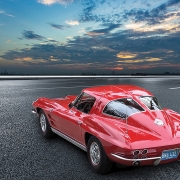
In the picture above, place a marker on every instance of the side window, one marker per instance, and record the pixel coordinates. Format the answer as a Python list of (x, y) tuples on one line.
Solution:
[(122, 108), (85, 103)]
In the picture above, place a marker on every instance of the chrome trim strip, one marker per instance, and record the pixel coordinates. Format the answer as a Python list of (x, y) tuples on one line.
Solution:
[(126, 159), (69, 139)]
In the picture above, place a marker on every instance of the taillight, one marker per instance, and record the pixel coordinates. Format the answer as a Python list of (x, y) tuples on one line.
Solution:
[(144, 151), (136, 152)]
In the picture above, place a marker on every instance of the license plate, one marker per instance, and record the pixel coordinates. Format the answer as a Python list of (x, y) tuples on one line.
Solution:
[(170, 154)]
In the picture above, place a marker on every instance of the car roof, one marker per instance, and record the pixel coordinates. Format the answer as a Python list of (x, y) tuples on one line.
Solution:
[(111, 92)]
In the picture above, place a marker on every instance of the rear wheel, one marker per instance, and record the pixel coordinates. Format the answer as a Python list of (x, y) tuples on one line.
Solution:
[(98, 159), (45, 126)]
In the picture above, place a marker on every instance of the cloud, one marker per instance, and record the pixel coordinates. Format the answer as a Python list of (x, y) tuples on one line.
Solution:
[(57, 26), (118, 68), (134, 25), (104, 30), (110, 27), (131, 61), (126, 55), (154, 16), (69, 37), (102, 48), (102, 1), (164, 6), (4, 13), (164, 26), (98, 11), (140, 60), (114, 51), (50, 2), (72, 23), (153, 59), (10, 41), (95, 33), (23, 59), (31, 35), (87, 12)]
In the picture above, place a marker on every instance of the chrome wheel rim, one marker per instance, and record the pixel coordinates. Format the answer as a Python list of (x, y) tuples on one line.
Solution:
[(43, 122), (95, 153)]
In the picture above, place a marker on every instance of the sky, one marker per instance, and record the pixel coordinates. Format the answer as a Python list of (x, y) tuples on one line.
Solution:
[(56, 37)]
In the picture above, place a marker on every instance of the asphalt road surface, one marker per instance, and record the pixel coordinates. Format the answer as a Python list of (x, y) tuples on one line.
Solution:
[(25, 154)]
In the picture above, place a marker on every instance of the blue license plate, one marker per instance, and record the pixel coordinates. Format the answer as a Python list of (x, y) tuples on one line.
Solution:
[(170, 154)]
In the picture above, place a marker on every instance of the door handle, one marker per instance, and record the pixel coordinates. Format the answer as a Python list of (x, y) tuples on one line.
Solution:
[(51, 110)]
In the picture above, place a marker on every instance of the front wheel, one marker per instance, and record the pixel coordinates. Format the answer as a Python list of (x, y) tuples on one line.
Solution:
[(98, 159), (44, 124)]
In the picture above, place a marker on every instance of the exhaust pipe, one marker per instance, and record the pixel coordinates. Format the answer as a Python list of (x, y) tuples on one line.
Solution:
[(157, 162), (136, 163)]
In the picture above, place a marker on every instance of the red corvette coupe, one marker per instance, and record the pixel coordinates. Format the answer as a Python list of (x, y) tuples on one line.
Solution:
[(115, 123)]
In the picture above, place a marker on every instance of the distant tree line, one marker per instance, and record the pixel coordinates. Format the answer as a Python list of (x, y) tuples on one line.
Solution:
[(132, 74), (89, 73), (6, 73)]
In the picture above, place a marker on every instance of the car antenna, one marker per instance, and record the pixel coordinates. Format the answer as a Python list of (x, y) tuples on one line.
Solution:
[(126, 121), (127, 118)]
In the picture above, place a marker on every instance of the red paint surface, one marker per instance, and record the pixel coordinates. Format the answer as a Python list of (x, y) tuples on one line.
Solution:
[(140, 132)]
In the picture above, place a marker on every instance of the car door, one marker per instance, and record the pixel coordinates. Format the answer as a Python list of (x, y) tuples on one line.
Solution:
[(74, 124), (77, 114), (68, 122)]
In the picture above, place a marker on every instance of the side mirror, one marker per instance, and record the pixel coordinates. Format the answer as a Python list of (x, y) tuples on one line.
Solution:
[(70, 105)]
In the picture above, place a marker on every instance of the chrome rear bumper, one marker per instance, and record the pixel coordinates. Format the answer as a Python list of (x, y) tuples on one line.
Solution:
[(156, 162)]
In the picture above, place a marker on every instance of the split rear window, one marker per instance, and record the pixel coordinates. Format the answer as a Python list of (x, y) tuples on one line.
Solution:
[(150, 102), (122, 108)]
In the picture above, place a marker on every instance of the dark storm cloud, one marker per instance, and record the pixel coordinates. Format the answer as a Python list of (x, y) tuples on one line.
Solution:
[(31, 35), (57, 26)]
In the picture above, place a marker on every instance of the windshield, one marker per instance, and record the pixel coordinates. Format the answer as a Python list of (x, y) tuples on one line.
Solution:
[(151, 102)]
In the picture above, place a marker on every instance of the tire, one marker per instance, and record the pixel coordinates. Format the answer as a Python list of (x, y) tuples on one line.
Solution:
[(45, 126), (98, 159)]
